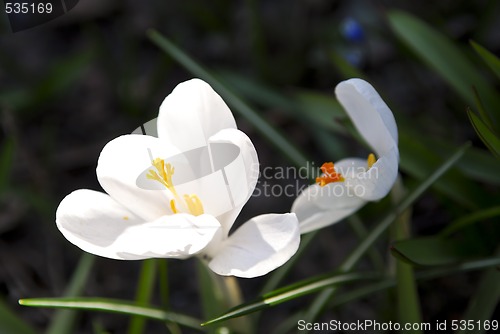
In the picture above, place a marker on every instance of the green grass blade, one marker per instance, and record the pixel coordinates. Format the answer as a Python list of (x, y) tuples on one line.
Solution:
[(482, 305), (489, 58), (489, 138), (346, 70), (290, 292), (57, 79), (261, 125), (436, 251), (439, 52), (370, 289), (407, 294), (113, 306), (63, 320), (11, 323), (474, 217), (279, 274), (349, 263), (419, 161), (145, 289)]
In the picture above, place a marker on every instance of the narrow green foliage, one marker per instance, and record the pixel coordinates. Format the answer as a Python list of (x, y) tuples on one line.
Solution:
[(489, 58), (475, 217), (64, 320), (114, 306), (435, 251), (483, 303), (344, 67), (407, 294), (290, 292), (143, 295), (442, 55), (429, 274), (489, 138), (275, 137), (11, 323)]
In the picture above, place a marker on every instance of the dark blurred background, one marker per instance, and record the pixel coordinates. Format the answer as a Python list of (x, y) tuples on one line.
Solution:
[(69, 86)]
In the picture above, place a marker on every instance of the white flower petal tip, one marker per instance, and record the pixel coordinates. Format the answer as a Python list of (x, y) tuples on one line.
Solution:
[(259, 246), (191, 114), (369, 113), (97, 224)]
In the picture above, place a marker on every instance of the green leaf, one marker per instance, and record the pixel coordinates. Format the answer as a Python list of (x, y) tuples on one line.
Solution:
[(10, 323), (261, 125), (220, 293), (439, 52), (113, 306), (407, 294), (428, 274), (487, 136), (477, 163), (436, 251), (57, 79), (290, 292), (320, 109), (489, 58), (145, 288), (63, 320), (344, 67), (472, 218), (279, 274), (484, 301), (356, 255), (418, 161)]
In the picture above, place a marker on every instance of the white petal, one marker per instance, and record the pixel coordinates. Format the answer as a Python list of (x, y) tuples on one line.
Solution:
[(227, 172), (376, 183), (121, 171), (369, 113), (175, 236), (317, 207), (241, 173), (93, 221), (191, 114), (97, 224), (259, 246)]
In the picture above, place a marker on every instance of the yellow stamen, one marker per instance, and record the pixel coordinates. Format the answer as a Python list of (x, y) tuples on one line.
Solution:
[(172, 206), (125, 217), (194, 204), (163, 174), (329, 175), (371, 160)]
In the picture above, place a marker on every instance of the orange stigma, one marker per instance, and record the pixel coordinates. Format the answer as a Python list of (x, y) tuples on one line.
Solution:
[(329, 175)]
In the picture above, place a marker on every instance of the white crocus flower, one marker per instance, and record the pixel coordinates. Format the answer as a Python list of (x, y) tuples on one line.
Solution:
[(178, 195), (348, 184)]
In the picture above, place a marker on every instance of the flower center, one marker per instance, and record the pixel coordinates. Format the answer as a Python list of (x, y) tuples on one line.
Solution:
[(163, 174), (329, 175)]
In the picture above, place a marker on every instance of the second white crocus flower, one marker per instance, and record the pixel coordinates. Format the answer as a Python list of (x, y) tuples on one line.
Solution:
[(178, 194), (348, 184)]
